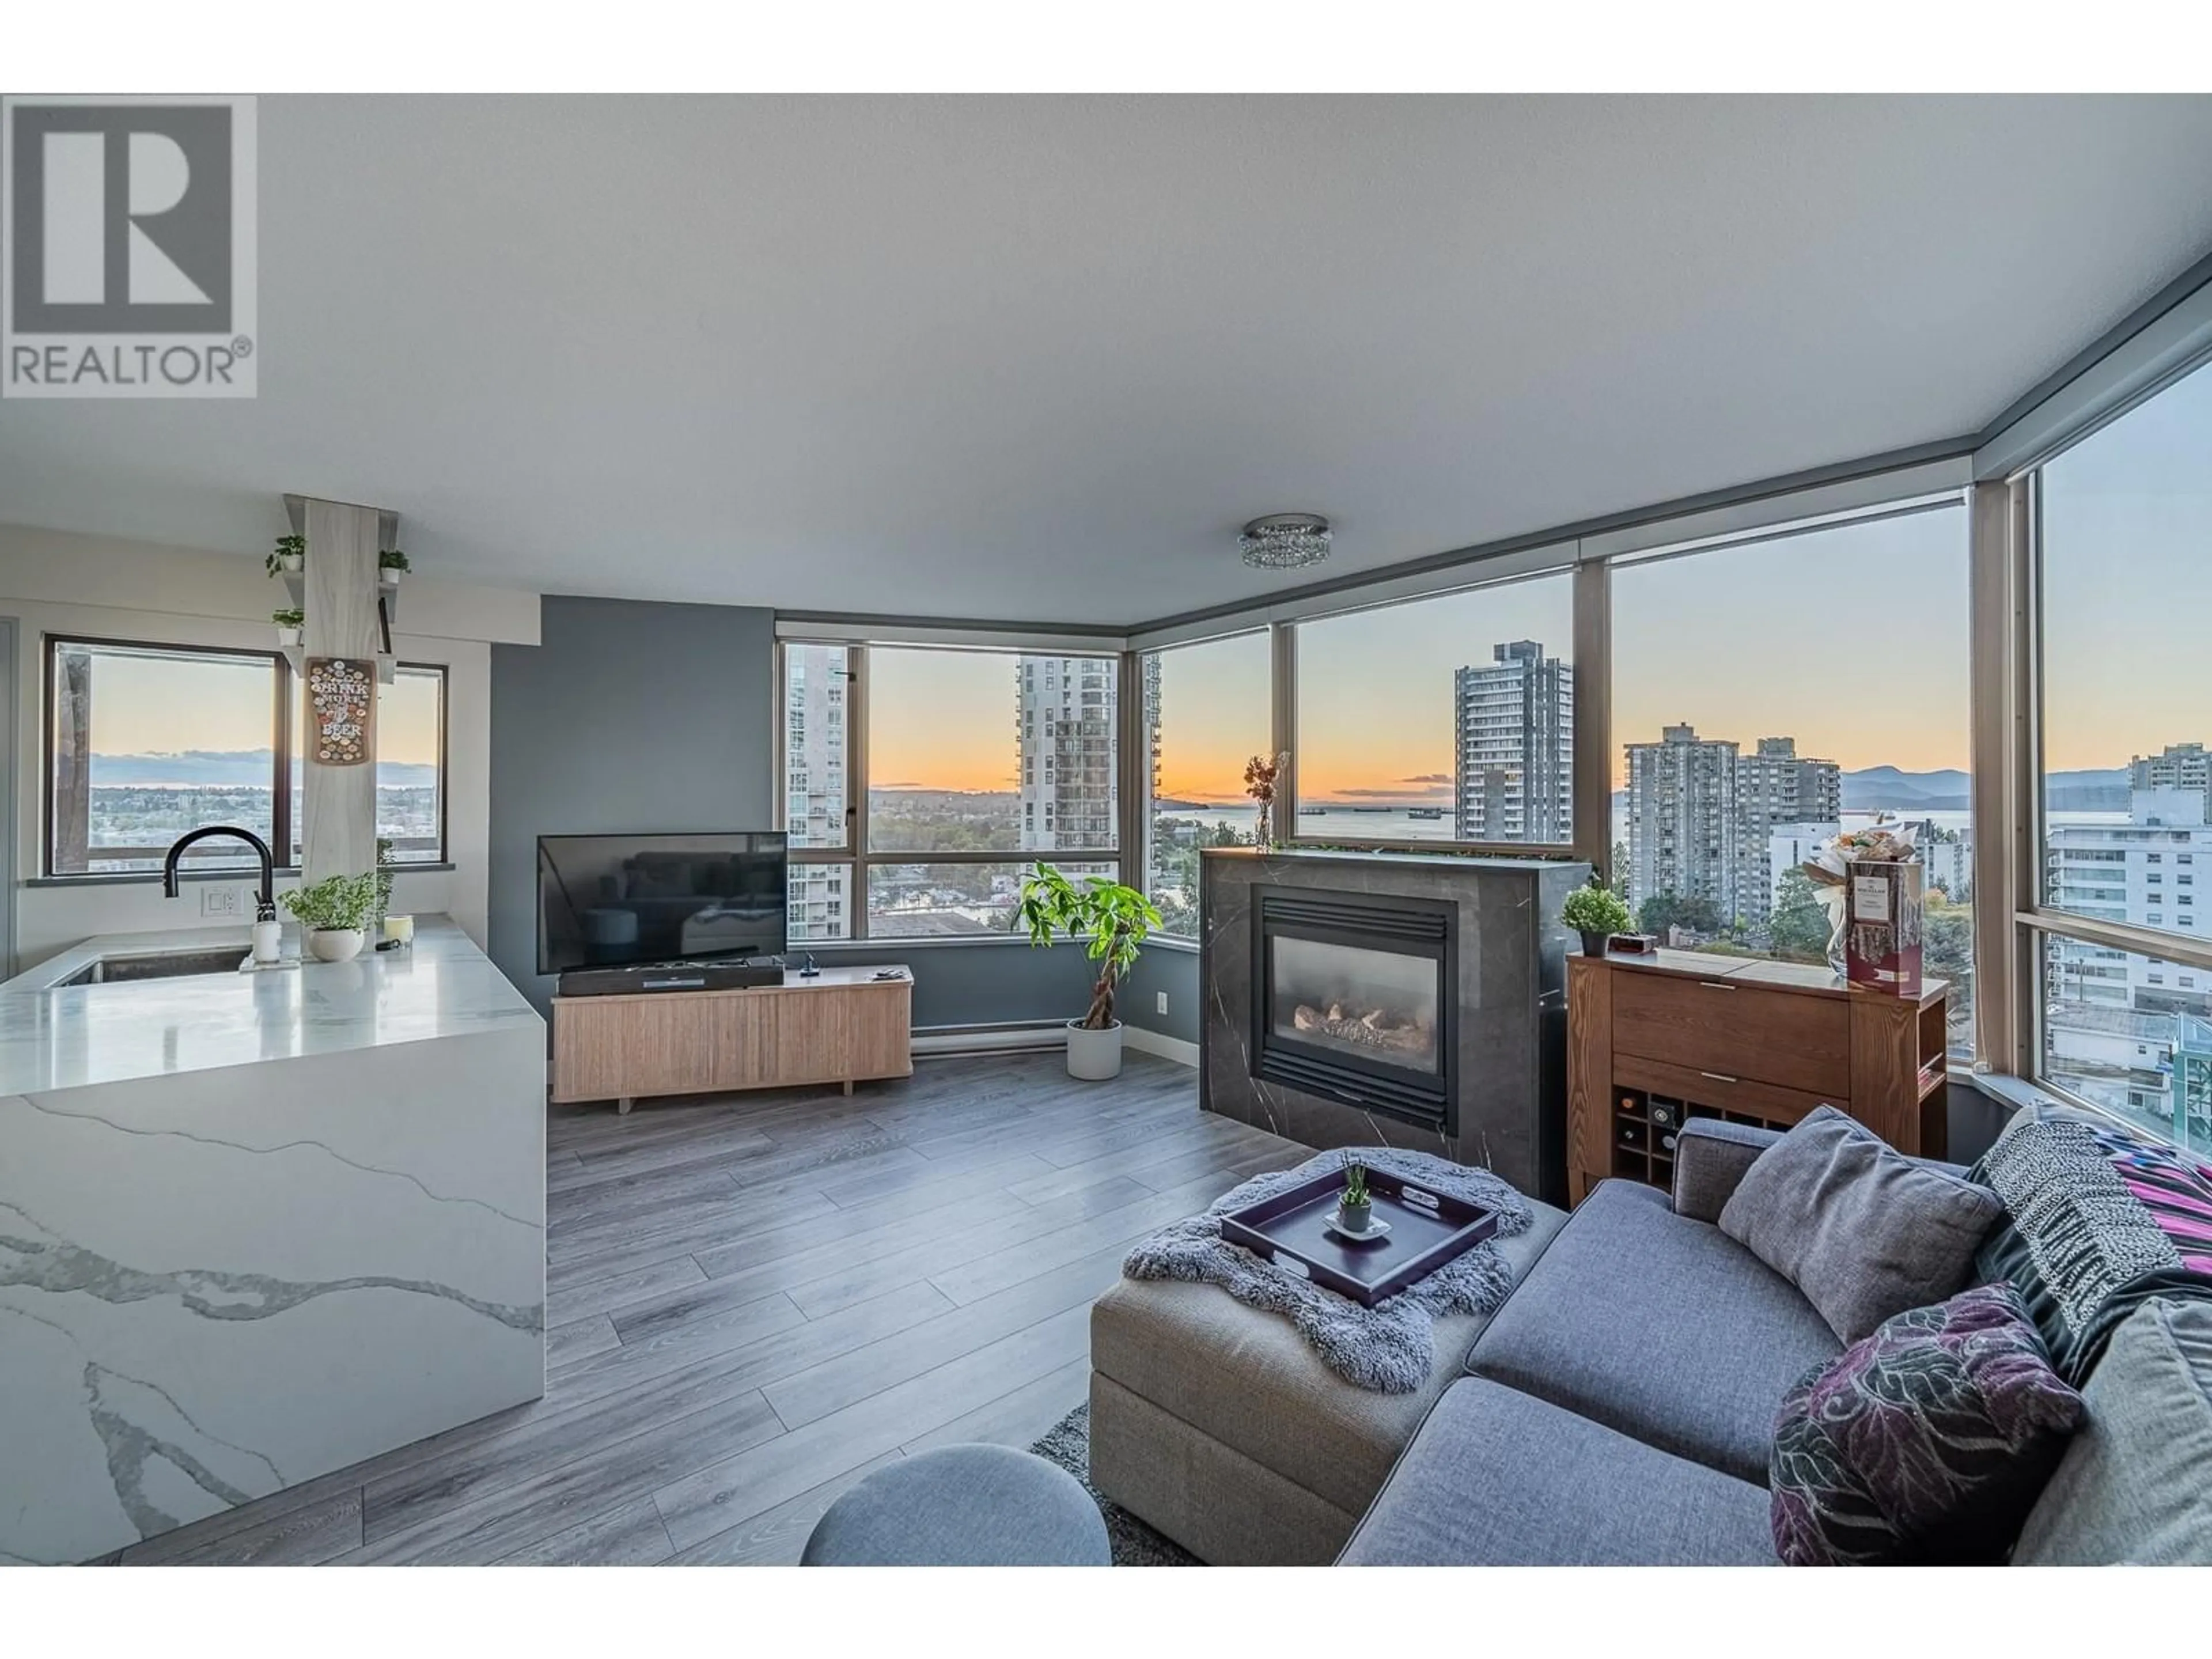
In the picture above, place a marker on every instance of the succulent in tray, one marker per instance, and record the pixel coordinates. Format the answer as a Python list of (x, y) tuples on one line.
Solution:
[(1355, 1208)]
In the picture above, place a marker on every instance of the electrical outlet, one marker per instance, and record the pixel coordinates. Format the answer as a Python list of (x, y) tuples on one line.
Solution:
[(223, 901), (1160, 1003)]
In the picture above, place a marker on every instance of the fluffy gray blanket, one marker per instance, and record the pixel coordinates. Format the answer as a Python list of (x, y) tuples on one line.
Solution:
[(1389, 1347)]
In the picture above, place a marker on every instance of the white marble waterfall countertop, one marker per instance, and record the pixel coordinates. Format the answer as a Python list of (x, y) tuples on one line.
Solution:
[(56, 1037)]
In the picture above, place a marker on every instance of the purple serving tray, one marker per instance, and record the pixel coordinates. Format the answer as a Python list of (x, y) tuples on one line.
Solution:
[(1427, 1228)]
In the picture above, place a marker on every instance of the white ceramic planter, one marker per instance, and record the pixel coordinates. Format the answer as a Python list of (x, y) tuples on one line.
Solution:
[(287, 638), (291, 563), (388, 576), (334, 944), (1094, 1056)]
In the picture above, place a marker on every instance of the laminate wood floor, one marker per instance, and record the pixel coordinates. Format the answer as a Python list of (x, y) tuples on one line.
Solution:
[(755, 1300)]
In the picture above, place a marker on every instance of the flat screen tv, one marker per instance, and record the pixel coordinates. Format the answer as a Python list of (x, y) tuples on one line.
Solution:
[(619, 900)]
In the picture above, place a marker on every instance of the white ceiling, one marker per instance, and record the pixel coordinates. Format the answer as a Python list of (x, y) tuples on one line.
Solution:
[(1039, 358)]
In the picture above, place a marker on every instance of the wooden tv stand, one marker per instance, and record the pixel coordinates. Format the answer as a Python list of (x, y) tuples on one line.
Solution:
[(839, 1025)]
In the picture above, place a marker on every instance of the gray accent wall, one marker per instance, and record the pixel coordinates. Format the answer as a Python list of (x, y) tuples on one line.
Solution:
[(628, 716), (1173, 970), (635, 716)]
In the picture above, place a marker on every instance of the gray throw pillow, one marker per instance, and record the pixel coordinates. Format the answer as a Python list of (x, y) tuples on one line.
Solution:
[(1861, 1228)]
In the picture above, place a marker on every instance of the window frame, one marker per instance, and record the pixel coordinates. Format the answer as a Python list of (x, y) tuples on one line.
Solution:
[(1139, 834), (2010, 642), (857, 856), (283, 686), (1590, 622)]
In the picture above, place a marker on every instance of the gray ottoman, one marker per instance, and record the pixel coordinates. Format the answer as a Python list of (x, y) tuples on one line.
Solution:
[(962, 1506)]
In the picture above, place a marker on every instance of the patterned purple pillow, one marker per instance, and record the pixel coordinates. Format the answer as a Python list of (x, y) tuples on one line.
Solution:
[(1926, 1442)]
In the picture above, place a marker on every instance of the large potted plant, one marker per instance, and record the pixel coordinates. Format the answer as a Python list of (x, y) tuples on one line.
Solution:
[(1595, 912), (1112, 921), (333, 914)]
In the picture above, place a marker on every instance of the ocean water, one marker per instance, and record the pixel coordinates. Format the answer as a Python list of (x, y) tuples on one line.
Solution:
[(1327, 822)]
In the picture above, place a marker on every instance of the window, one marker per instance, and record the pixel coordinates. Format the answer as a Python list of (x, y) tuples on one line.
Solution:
[(2119, 521), (977, 762), (146, 742), (411, 769), (1448, 719), (2113, 1033), (1743, 748), (1207, 710), (2123, 518)]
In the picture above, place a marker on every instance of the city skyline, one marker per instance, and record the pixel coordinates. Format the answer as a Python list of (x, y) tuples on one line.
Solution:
[(153, 704)]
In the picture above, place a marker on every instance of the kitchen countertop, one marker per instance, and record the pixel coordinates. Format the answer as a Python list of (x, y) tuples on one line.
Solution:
[(66, 1038)]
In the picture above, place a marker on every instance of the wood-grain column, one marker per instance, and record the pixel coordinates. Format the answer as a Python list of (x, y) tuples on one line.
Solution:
[(338, 835)]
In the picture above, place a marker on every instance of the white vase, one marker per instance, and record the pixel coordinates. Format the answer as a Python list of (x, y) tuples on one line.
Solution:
[(1094, 1056), (334, 944)]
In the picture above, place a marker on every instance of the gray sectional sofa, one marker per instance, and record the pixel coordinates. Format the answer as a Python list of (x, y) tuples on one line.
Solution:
[(1616, 1408)]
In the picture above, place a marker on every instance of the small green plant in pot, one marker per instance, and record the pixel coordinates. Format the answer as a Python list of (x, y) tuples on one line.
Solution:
[(291, 554), (289, 622), (1355, 1208), (1114, 922), (392, 564), (1595, 912), (334, 913)]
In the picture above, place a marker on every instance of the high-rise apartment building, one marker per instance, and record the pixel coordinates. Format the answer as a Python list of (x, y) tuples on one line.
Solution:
[(1684, 836), (1514, 763), (2124, 1026), (1065, 712), (1775, 786), (2179, 766), (814, 788)]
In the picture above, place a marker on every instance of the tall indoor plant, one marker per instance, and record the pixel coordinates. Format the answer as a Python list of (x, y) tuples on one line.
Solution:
[(1112, 921)]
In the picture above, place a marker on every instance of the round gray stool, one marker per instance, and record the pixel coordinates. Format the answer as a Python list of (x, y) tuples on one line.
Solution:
[(962, 1506)]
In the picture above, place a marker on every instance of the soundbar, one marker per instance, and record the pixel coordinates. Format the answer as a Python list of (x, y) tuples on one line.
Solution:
[(666, 976)]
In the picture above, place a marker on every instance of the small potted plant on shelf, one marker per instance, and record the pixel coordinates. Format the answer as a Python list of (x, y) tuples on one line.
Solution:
[(1114, 921), (1355, 1208), (290, 556), (333, 914), (1595, 912), (391, 565), (289, 622)]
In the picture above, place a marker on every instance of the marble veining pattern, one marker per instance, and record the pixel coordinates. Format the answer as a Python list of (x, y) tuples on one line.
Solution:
[(218, 1281)]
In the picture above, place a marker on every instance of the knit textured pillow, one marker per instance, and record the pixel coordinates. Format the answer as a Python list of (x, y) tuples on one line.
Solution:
[(1926, 1442)]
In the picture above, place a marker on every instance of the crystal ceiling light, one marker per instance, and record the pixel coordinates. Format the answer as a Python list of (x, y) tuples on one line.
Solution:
[(1285, 541)]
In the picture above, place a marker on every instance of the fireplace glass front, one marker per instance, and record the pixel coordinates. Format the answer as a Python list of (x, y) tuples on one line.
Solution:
[(1353, 999), (1371, 1005)]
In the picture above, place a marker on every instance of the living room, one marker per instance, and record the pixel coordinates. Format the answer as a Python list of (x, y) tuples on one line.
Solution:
[(1122, 829)]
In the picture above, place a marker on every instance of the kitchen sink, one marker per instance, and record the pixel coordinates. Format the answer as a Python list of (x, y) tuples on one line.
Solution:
[(163, 964)]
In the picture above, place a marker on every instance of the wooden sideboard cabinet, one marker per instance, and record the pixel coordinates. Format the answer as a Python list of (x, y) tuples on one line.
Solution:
[(841, 1025), (1653, 1039)]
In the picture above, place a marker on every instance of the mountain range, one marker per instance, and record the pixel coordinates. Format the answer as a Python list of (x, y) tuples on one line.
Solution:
[(2103, 790), (246, 769)]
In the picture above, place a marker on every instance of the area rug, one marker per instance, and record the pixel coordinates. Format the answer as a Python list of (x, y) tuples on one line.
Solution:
[(1134, 1544), (1389, 1347)]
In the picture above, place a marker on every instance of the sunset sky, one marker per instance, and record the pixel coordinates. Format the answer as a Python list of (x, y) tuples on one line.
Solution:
[(157, 705)]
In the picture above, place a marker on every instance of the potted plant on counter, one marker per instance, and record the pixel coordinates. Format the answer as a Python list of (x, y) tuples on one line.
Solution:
[(289, 624), (1114, 921), (288, 556), (1595, 912), (333, 914)]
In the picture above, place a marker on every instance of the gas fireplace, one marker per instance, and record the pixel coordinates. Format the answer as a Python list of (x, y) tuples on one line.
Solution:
[(1353, 999)]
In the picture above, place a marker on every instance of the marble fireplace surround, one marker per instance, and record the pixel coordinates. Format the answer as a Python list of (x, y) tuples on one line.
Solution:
[(1511, 1058)]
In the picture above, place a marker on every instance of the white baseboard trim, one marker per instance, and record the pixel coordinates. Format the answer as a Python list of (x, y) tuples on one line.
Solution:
[(1159, 1043)]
